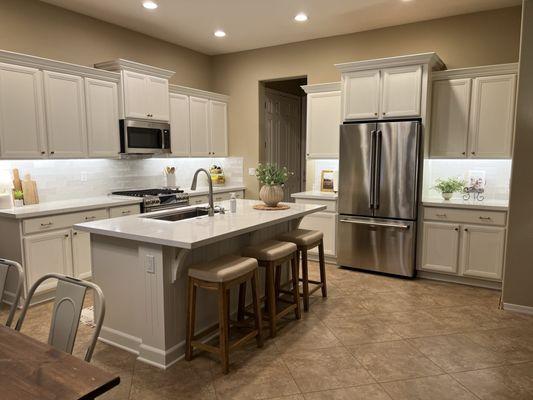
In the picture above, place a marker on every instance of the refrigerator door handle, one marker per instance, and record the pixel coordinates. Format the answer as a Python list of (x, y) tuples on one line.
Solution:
[(377, 168), (383, 224), (372, 166)]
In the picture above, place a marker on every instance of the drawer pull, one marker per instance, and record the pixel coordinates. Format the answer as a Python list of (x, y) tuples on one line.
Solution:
[(485, 218), (46, 224), (441, 215), (90, 218), (126, 212)]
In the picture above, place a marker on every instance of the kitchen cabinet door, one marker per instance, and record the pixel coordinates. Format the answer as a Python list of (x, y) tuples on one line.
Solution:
[(180, 128), (360, 95), (65, 115), (482, 250), (101, 99), (450, 117), (219, 128), (401, 91), (81, 254), (45, 253), (440, 247), (327, 224), (22, 124), (135, 101), (492, 116), (323, 120), (200, 132), (157, 95)]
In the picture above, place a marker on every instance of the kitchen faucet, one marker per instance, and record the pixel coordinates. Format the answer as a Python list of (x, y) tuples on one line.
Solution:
[(211, 208)]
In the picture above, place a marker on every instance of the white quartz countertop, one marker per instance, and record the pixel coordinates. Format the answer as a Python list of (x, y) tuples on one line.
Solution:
[(200, 231), (495, 205), (315, 194), (64, 206), (202, 191)]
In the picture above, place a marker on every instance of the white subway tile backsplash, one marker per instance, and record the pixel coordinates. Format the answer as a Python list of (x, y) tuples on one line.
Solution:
[(72, 179)]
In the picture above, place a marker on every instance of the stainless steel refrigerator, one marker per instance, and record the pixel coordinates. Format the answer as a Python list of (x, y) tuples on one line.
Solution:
[(378, 196)]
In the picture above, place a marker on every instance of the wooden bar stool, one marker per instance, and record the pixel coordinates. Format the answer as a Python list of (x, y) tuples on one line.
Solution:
[(307, 239), (222, 274), (271, 255)]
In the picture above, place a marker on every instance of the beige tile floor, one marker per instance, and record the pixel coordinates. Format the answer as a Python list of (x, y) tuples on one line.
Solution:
[(375, 337)]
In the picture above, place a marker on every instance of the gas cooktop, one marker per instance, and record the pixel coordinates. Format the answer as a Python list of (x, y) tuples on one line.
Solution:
[(158, 199)]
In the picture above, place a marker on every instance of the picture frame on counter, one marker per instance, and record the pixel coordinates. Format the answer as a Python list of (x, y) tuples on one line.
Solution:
[(327, 180)]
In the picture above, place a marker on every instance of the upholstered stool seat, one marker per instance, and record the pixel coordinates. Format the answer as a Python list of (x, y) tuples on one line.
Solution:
[(271, 255), (307, 239), (221, 275)]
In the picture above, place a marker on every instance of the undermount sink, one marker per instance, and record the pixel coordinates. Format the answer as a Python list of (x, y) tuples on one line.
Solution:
[(181, 214)]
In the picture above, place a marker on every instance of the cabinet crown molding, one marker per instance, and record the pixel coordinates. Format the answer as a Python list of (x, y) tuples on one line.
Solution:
[(47, 64), (474, 72), (120, 64), (432, 59), (322, 87), (177, 89)]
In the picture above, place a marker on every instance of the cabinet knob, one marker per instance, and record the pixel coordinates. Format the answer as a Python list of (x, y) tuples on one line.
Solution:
[(473, 152), (384, 113), (43, 152), (466, 229), (66, 235), (456, 229), (75, 233), (464, 153), (52, 152), (376, 114)]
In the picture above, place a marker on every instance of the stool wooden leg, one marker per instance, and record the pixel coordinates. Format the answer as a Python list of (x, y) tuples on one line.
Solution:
[(278, 280), (191, 314), (295, 285), (322, 264), (242, 301), (305, 280), (257, 308), (271, 298), (223, 327)]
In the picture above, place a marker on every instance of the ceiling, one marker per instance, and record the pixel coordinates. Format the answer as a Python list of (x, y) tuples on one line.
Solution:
[(251, 24)]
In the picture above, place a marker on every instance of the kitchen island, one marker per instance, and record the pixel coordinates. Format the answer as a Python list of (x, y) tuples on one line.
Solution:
[(140, 262)]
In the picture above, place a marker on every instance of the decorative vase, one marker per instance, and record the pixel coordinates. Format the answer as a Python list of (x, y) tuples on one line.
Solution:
[(447, 196), (271, 195)]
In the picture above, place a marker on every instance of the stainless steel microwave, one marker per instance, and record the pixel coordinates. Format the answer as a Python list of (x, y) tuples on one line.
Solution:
[(144, 137)]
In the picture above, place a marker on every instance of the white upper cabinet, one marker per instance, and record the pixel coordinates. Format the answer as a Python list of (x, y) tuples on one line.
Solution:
[(180, 128), (482, 250), (157, 95), (492, 120), (22, 123), (401, 91), (200, 130), (218, 111), (65, 115), (450, 117), (473, 112), (135, 102), (145, 96), (101, 99), (361, 90), (323, 121)]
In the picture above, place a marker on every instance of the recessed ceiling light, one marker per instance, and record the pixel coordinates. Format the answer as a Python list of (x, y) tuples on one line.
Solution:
[(301, 17), (150, 5), (219, 33)]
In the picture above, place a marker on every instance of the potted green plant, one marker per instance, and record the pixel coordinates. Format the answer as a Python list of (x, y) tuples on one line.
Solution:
[(18, 198), (272, 178), (447, 187)]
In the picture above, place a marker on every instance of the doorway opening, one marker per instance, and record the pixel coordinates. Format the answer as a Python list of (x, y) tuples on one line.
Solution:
[(282, 119)]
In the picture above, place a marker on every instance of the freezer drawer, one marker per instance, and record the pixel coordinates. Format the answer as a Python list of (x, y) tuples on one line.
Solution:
[(377, 244)]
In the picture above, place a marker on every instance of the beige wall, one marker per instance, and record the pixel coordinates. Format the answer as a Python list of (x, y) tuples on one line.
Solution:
[(518, 280), (467, 40), (32, 27)]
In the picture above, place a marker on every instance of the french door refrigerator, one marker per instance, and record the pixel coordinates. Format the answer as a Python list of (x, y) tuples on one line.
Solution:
[(378, 196)]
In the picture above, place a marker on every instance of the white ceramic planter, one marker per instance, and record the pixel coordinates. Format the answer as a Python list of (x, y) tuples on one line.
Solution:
[(271, 195), (447, 196)]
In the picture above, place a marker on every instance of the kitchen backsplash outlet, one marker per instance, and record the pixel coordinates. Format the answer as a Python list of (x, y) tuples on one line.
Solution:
[(73, 179), (497, 175)]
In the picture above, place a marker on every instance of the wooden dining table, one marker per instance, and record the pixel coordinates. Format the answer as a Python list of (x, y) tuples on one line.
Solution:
[(30, 369)]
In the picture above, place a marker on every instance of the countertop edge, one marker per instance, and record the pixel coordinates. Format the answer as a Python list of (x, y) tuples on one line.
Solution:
[(311, 194)]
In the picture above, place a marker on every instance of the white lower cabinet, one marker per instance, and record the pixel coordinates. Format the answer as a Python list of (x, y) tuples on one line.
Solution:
[(441, 246), (203, 199), (326, 223), (461, 248), (482, 250), (45, 253), (81, 254)]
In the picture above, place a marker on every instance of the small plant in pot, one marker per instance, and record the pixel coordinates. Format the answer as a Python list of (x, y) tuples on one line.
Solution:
[(447, 187), (272, 178), (18, 197)]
